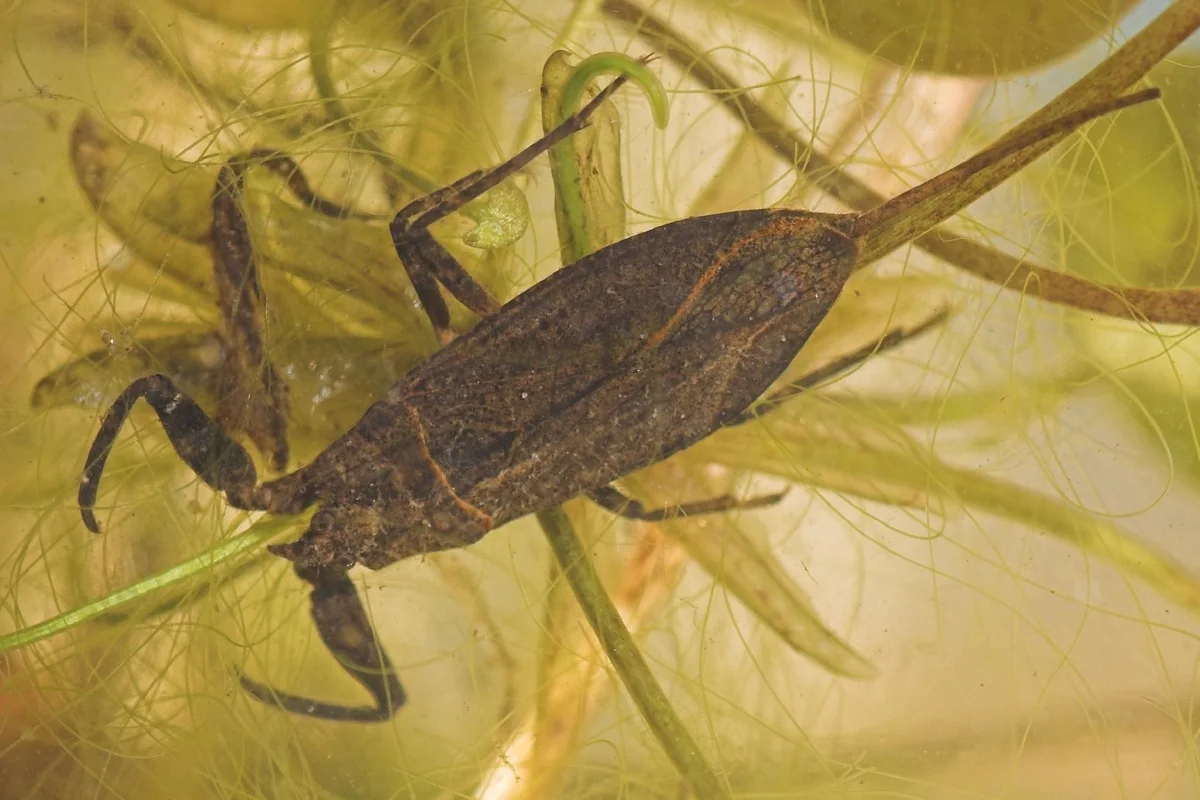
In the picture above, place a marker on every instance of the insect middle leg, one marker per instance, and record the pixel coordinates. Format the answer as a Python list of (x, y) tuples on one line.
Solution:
[(428, 263)]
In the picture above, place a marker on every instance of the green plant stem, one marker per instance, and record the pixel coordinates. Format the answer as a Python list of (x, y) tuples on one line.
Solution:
[(626, 658), (576, 565), (203, 563)]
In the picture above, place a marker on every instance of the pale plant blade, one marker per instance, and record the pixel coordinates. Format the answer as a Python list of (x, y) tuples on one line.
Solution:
[(819, 444), (755, 577)]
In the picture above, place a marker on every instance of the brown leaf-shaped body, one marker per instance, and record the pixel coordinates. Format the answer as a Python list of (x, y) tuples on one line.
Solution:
[(610, 365)]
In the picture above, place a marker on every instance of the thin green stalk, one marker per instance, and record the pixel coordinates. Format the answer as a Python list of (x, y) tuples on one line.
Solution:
[(203, 563), (573, 559), (626, 658)]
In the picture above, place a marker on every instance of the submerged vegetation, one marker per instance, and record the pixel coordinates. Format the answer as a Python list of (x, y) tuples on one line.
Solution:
[(980, 560)]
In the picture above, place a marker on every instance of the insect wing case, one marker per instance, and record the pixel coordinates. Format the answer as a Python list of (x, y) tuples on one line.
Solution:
[(625, 357)]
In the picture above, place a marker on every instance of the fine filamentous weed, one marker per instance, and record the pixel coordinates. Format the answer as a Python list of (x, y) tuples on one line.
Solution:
[(614, 363)]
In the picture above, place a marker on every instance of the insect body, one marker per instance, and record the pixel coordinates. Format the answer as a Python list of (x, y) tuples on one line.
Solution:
[(559, 394), (612, 364)]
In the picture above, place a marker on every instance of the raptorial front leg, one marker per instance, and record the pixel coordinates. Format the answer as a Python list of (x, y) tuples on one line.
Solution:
[(609, 498), (208, 450), (346, 631)]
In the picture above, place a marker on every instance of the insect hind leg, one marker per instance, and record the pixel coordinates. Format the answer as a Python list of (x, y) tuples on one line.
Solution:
[(840, 365), (346, 631), (612, 500)]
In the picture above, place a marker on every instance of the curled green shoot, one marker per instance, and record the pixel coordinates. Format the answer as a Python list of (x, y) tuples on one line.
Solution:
[(566, 170)]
